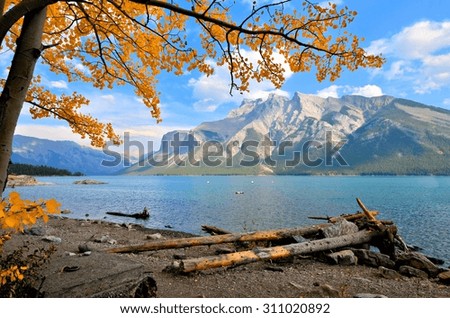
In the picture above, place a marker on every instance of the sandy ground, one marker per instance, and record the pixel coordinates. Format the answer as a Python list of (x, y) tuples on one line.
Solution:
[(297, 277)]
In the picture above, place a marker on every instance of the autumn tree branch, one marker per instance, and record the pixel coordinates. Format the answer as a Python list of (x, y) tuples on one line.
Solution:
[(230, 26)]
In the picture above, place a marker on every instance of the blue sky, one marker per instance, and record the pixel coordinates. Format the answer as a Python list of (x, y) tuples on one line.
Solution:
[(413, 35)]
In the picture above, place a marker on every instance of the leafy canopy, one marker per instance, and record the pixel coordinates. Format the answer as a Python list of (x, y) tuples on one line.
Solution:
[(129, 42)]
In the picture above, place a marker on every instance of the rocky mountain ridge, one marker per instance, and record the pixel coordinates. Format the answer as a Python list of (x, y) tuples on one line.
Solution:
[(371, 135)]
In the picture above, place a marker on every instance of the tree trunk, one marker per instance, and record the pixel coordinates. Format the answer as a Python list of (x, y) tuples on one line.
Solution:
[(273, 253), (28, 51), (2, 7)]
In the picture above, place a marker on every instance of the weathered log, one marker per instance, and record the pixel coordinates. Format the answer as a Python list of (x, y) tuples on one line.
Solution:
[(214, 230), (141, 215), (370, 216), (348, 217), (273, 253), (387, 246), (269, 235)]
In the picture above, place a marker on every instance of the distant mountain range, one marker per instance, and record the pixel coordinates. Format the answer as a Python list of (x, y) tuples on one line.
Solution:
[(311, 135), (60, 154)]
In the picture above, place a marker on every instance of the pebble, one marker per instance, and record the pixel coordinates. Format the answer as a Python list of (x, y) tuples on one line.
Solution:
[(329, 291), (83, 248), (345, 257), (52, 239), (367, 295), (35, 231), (87, 253), (180, 256), (298, 286), (444, 277), (112, 241), (156, 236), (106, 239), (69, 254)]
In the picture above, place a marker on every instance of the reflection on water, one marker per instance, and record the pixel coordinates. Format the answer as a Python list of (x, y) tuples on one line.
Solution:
[(418, 205)]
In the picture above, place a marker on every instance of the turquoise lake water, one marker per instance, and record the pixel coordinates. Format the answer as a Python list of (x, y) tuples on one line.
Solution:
[(420, 206)]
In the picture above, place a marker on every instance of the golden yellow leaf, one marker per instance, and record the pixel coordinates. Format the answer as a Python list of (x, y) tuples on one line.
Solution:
[(52, 206)]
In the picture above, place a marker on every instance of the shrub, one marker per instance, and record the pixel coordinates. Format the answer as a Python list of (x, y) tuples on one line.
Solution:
[(18, 270)]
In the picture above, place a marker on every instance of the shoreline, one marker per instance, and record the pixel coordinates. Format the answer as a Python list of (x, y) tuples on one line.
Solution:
[(297, 277)]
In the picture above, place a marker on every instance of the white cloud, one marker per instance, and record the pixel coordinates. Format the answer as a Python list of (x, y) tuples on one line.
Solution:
[(419, 54), (367, 91), (337, 91), (59, 84), (213, 91), (398, 69), (108, 98), (446, 102), (415, 42), (206, 105), (82, 68), (331, 91)]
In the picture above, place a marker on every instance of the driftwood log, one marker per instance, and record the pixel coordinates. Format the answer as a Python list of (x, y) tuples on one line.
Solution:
[(214, 230), (370, 231), (268, 235), (141, 215), (348, 217), (273, 253)]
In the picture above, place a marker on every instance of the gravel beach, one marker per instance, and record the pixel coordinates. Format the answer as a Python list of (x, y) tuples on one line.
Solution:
[(82, 267)]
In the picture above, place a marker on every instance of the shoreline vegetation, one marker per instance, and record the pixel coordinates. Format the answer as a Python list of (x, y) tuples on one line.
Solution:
[(48, 171), (39, 170), (83, 265)]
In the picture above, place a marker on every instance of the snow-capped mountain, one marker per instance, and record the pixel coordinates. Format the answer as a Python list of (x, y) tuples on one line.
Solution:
[(310, 134)]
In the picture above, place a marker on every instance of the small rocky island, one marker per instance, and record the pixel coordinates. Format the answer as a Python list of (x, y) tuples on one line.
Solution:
[(21, 181), (88, 181)]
